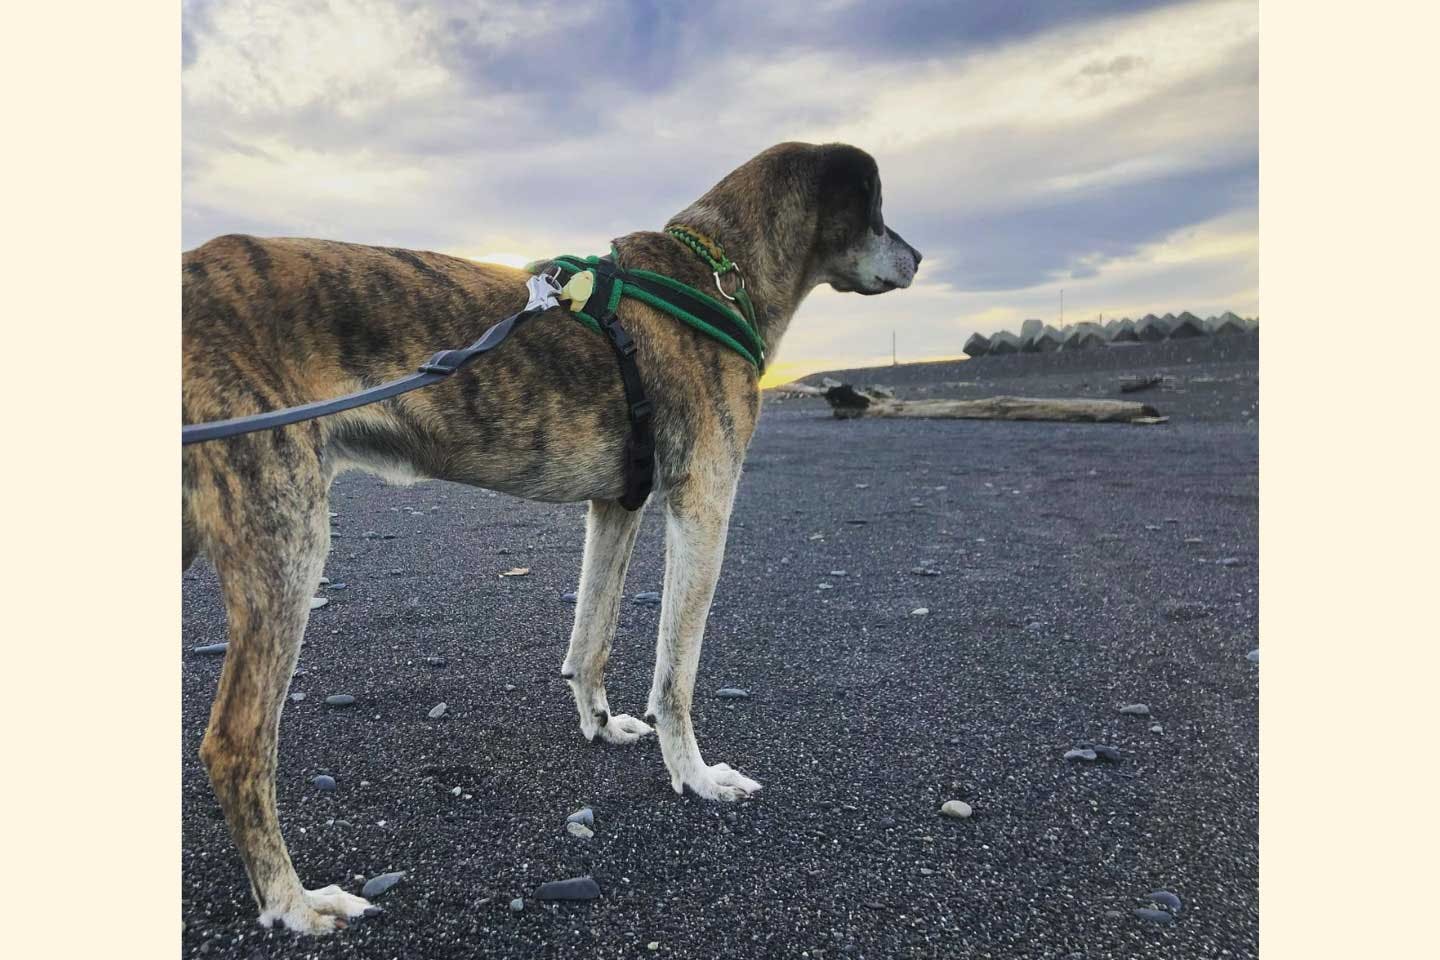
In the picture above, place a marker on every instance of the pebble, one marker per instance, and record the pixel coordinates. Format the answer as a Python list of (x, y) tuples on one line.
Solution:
[(370, 535), (213, 648), (925, 571), (920, 612), (570, 597), (378, 885), (324, 580), (1194, 539), (732, 693), (317, 602), (517, 905), (827, 586), (455, 791), (1079, 754), (958, 809), (435, 661), (437, 711), (1253, 656), (838, 573), (324, 782), (576, 888), (584, 816), (339, 700), (1136, 710), (1154, 916), (579, 830), (397, 572), (1167, 898), (509, 688), (654, 945), (1101, 750), (1230, 561), (297, 697), (649, 598), (339, 586), (1156, 728)]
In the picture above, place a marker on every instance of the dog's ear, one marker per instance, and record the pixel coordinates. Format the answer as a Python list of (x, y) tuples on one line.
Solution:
[(850, 179)]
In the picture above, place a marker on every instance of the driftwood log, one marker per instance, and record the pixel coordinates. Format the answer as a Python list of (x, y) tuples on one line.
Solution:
[(847, 404)]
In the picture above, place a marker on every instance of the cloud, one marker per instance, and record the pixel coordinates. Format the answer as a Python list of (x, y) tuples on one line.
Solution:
[(1022, 146)]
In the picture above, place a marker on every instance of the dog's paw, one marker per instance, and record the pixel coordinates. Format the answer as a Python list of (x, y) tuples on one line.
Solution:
[(716, 782), (623, 728), (320, 912)]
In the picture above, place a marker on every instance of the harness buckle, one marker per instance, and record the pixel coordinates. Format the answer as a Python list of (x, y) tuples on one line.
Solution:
[(735, 269), (544, 289), (642, 410)]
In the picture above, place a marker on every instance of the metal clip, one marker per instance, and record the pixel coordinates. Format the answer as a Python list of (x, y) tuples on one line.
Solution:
[(735, 269), (544, 289)]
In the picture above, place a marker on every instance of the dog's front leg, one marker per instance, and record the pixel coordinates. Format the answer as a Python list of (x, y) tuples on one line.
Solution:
[(697, 521), (610, 532)]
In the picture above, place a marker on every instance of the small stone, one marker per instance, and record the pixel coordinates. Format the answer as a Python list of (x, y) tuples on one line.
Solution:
[(516, 572), (649, 598), (1172, 519), (920, 612), (576, 888), (397, 572), (297, 697), (317, 602), (1154, 916), (339, 586), (1079, 754), (1230, 561), (958, 809), (455, 791), (370, 535), (1253, 656), (509, 688), (212, 649), (324, 782), (1166, 898), (435, 661), (1194, 539), (733, 693), (517, 905), (1135, 710), (838, 573), (925, 571), (378, 885), (339, 700), (324, 580), (654, 945), (1156, 728), (437, 711), (1101, 750), (827, 586), (570, 597), (579, 830), (584, 816), (1114, 914)]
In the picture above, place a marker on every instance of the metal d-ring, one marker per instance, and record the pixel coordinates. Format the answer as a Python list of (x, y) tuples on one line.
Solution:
[(738, 287)]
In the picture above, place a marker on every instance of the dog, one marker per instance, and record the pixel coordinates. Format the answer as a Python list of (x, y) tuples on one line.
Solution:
[(271, 323)]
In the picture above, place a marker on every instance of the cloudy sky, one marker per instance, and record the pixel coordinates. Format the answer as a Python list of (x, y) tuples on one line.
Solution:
[(1106, 147)]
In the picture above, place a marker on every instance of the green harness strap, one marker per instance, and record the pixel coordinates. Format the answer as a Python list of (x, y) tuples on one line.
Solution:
[(736, 330)]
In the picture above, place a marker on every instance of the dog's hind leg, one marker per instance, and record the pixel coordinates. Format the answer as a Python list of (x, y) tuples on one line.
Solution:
[(267, 539), (610, 532), (697, 522)]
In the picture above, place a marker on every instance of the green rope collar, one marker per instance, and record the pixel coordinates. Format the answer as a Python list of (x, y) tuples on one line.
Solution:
[(743, 337)]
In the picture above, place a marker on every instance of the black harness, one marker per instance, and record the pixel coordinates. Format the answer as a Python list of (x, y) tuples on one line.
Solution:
[(603, 288)]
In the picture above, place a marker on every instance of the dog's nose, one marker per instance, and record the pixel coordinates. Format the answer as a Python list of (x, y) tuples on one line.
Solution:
[(913, 252)]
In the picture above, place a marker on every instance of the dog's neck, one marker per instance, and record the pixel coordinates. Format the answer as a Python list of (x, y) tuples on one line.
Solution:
[(772, 252)]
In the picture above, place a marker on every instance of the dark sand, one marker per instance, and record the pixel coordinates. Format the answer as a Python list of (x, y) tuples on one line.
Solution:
[(1055, 605)]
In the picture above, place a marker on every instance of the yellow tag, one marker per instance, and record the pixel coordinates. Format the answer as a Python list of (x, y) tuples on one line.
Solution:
[(578, 289)]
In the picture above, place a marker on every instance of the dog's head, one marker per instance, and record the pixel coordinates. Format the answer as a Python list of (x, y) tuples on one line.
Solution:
[(855, 251)]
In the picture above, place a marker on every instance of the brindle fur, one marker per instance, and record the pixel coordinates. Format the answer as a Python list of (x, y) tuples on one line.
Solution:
[(269, 323)]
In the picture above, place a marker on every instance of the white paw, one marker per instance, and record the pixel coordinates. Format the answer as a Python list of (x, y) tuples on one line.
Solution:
[(717, 782), (320, 912), (624, 728)]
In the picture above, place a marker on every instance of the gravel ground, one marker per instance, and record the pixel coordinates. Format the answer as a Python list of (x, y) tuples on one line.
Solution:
[(1076, 571)]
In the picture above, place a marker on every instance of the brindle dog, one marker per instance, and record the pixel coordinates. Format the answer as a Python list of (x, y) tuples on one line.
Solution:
[(270, 323)]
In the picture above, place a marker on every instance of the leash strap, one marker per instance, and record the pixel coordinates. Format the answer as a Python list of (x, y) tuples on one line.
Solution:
[(542, 289)]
